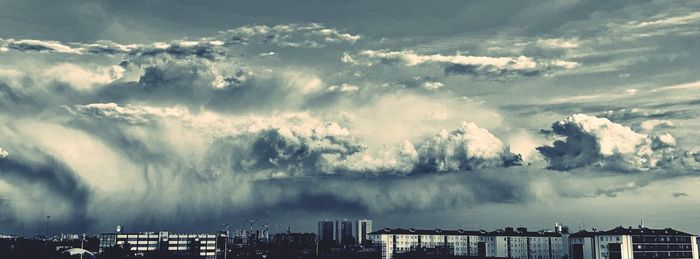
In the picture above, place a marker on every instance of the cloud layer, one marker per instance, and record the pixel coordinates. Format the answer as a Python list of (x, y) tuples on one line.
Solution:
[(383, 115)]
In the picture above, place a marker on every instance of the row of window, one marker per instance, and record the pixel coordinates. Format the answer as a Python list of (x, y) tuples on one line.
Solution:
[(660, 239)]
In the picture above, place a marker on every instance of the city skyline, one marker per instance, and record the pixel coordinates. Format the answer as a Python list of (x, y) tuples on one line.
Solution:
[(190, 115)]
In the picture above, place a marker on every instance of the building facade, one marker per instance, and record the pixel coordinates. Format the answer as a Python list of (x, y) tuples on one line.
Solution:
[(364, 227), (204, 245), (345, 233), (523, 244), (326, 233), (508, 243), (634, 243), (458, 242)]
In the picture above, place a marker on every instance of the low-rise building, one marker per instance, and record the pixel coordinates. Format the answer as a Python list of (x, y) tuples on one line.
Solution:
[(204, 245), (634, 243), (508, 243), (458, 242)]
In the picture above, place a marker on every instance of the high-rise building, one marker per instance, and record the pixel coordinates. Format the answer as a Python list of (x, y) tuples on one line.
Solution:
[(346, 234), (364, 227), (325, 231)]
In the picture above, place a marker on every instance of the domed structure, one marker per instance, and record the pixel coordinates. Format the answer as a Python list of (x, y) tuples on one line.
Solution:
[(77, 253)]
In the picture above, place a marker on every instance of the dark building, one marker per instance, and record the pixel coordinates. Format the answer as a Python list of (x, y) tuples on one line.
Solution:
[(654, 243), (325, 230), (345, 235), (294, 241), (39, 248), (633, 243)]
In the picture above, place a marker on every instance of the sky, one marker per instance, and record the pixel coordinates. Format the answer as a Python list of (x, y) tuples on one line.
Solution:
[(475, 114)]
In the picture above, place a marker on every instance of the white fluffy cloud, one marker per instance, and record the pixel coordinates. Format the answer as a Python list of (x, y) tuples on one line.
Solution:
[(593, 141), (649, 125), (410, 58), (469, 147), (4, 153), (82, 78), (466, 148), (39, 45)]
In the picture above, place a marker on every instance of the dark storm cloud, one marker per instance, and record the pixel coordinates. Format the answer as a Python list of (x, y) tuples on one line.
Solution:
[(48, 176), (183, 49)]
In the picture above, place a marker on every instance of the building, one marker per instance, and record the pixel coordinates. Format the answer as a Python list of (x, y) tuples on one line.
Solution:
[(364, 227), (459, 242), (345, 235), (582, 245), (204, 245), (522, 244), (508, 243), (294, 241), (325, 231), (634, 243)]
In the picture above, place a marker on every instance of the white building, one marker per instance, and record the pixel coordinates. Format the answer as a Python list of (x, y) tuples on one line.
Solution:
[(508, 243), (522, 244), (398, 240), (203, 244)]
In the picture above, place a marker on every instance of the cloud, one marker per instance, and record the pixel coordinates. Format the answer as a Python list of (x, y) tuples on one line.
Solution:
[(267, 119), (410, 58), (130, 114), (304, 145), (679, 194), (496, 67), (343, 88), (312, 35), (81, 78), (669, 21), (4, 153), (598, 142), (558, 43), (208, 49), (432, 85), (466, 148), (56, 189), (649, 125), (39, 46)]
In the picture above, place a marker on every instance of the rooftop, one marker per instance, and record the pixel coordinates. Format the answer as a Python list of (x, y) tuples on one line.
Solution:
[(643, 231), (459, 232)]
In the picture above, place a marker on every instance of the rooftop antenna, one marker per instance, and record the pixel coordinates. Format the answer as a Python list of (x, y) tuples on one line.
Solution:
[(641, 223)]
